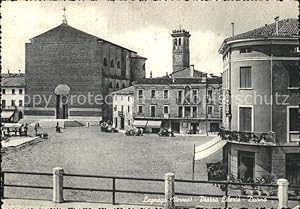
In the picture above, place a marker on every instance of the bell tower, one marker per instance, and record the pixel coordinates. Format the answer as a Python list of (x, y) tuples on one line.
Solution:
[(181, 49)]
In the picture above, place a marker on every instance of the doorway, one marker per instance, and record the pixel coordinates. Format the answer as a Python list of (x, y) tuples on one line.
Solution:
[(122, 123), (246, 165), (175, 127), (194, 127)]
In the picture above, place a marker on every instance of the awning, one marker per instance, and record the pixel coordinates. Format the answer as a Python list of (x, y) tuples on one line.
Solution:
[(7, 114), (209, 148), (154, 124), (139, 123), (12, 125)]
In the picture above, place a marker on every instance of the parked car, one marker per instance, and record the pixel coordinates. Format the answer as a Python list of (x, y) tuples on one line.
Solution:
[(133, 132), (165, 132)]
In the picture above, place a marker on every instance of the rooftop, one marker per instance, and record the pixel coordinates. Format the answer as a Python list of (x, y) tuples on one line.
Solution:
[(167, 81), (12, 80), (65, 32), (126, 91), (286, 28)]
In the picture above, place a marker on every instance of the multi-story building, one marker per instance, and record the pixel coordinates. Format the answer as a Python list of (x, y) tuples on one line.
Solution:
[(123, 104), (261, 91), (184, 101), (73, 72), (180, 104), (12, 97)]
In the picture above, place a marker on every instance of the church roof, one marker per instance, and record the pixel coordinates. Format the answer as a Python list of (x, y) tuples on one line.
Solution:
[(65, 33), (287, 28)]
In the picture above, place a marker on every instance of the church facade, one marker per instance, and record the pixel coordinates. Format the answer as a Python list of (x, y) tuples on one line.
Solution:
[(70, 74)]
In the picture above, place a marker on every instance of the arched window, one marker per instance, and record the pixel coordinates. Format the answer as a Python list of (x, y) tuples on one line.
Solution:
[(110, 85), (179, 40), (117, 85), (118, 65), (123, 85), (105, 61), (112, 64)]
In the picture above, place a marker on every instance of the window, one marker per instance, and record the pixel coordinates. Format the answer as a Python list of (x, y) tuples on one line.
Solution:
[(140, 93), (129, 122), (179, 41), (118, 65), (20, 103), (180, 112), (3, 103), (187, 93), (117, 85), (166, 94), (116, 122), (221, 112), (294, 77), (210, 109), (187, 112), (144, 67), (13, 91), (110, 85), (122, 108), (245, 77), (115, 108), (180, 96), (20, 91), (175, 42), (245, 119), (3, 91), (129, 99), (209, 94), (140, 109), (245, 50), (152, 93), (104, 61), (194, 112), (112, 64), (128, 109), (123, 85), (195, 96), (13, 103), (152, 111), (294, 119), (166, 109)]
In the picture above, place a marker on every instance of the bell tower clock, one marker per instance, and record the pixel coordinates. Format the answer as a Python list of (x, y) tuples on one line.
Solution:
[(181, 49)]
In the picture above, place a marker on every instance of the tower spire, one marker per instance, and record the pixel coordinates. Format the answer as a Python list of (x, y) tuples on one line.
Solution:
[(64, 20)]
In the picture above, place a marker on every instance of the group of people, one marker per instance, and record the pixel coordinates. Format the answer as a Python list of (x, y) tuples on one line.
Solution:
[(16, 131)]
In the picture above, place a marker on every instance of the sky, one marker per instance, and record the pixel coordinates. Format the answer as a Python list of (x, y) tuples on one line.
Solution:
[(143, 26)]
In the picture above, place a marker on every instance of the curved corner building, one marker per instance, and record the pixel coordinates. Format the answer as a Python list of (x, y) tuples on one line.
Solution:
[(261, 98)]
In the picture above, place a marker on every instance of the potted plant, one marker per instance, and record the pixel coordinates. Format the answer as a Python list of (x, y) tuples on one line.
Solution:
[(268, 179)]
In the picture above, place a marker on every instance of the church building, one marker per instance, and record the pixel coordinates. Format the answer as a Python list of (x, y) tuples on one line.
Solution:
[(70, 74)]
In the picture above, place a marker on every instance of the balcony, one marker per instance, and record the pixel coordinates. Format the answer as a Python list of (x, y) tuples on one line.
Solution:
[(262, 138)]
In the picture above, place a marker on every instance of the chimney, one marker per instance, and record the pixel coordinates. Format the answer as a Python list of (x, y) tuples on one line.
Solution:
[(192, 70), (276, 24), (232, 27)]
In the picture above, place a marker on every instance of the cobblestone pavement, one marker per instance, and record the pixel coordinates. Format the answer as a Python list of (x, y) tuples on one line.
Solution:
[(89, 151)]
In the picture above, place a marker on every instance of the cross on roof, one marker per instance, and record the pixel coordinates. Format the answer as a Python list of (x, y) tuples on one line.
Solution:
[(64, 21)]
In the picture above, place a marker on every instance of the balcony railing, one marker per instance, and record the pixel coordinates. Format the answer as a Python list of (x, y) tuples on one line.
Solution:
[(248, 137)]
